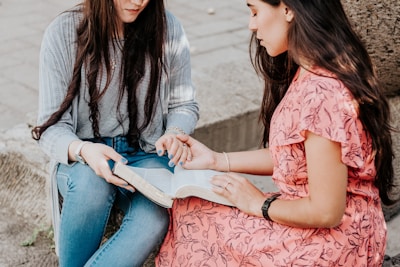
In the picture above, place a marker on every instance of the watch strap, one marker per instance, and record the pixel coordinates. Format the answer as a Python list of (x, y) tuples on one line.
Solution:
[(78, 150), (267, 204)]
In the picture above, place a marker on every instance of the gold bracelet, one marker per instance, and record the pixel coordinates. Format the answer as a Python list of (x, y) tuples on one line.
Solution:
[(175, 130), (227, 161)]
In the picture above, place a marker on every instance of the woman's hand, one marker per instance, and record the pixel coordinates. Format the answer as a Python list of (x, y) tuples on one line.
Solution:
[(240, 191), (202, 156), (237, 189), (178, 151), (97, 155)]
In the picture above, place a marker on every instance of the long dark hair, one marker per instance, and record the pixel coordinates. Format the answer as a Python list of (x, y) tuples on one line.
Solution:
[(322, 34), (143, 44)]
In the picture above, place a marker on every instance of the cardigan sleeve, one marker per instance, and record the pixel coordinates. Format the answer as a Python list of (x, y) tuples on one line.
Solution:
[(183, 109), (56, 61)]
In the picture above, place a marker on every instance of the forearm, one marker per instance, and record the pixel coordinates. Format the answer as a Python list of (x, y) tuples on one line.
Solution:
[(55, 143), (252, 162), (304, 213)]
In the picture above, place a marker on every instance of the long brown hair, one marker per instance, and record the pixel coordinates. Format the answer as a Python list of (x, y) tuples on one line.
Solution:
[(143, 42), (321, 33)]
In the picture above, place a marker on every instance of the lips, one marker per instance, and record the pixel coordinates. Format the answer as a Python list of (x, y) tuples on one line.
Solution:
[(133, 11)]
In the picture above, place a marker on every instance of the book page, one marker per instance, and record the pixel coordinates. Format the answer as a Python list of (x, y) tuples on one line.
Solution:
[(199, 178), (158, 177), (161, 186), (196, 183)]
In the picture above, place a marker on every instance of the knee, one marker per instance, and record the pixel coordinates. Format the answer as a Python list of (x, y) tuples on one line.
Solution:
[(81, 182)]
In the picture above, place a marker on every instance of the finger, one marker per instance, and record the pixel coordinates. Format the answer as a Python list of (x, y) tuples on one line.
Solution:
[(186, 139), (236, 178), (173, 148), (189, 153), (110, 153), (184, 155), (220, 180), (223, 187), (122, 183), (177, 154), (161, 145), (107, 175)]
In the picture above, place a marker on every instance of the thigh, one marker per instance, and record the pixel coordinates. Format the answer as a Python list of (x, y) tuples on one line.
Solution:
[(87, 201), (142, 230), (80, 182)]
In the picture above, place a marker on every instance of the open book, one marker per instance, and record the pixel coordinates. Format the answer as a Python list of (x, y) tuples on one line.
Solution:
[(162, 186)]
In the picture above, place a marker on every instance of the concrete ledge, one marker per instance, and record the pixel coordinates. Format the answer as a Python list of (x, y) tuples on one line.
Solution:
[(229, 96)]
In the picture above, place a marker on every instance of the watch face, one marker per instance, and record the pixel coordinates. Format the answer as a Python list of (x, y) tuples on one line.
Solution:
[(77, 153), (80, 159)]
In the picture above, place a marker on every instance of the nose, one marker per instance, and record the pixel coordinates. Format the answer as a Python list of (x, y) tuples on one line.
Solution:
[(252, 24), (137, 2)]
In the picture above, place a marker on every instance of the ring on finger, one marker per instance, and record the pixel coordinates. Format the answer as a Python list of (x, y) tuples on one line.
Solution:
[(226, 185)]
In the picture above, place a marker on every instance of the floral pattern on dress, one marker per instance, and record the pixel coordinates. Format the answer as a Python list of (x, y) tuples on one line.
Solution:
[(203, 233)]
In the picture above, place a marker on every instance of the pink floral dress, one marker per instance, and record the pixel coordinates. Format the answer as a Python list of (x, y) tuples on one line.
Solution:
[(207, 234)]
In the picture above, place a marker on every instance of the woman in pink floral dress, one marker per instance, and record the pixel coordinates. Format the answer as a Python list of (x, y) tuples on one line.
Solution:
[(326, 144)]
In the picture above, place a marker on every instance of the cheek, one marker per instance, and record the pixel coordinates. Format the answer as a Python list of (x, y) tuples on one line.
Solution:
[(274, 34)]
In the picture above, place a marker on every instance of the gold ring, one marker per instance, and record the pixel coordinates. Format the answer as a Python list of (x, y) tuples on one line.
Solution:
[(226, 186)]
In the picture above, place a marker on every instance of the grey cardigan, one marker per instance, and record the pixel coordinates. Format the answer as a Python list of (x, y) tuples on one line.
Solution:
[(177, 106)]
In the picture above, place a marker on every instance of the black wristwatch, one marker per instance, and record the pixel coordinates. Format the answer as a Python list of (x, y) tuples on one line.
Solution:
[(266, 205)]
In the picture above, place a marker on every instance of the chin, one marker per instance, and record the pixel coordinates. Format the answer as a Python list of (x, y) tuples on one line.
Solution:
[(130, 20), (270, 53)]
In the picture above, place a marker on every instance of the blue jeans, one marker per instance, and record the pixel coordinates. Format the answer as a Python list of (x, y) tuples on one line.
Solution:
[(87, 202)]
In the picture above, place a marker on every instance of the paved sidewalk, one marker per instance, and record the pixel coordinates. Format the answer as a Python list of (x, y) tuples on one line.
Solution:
[(218, 34)]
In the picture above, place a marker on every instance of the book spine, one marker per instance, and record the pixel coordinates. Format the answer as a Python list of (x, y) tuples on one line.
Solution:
[(140, 184)]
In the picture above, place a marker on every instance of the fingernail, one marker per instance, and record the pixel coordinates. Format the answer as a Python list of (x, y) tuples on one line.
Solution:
[(170, 156), (171, 164), (124, 160), (159, 152), (181, 163)]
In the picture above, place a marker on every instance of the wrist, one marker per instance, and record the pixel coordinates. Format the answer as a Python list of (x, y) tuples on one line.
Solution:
[(267, 204), (217, 162), (78, 152)]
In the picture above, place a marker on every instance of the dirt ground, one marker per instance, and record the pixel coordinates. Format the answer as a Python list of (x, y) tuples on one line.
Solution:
[(27, 245), (15, 230)]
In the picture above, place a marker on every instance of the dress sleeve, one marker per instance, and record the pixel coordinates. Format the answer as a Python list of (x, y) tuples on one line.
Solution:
[(325, 107)]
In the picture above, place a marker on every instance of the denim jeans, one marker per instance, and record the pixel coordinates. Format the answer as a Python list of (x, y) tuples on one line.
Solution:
[(87, 202)]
